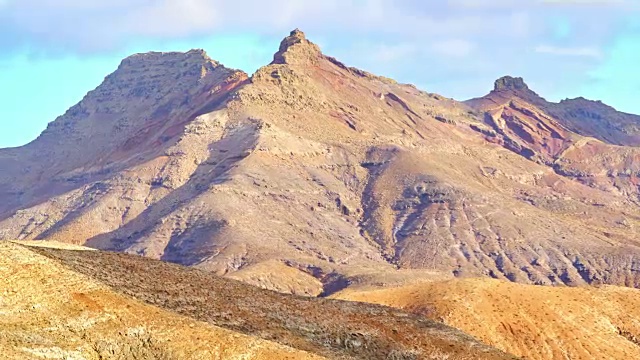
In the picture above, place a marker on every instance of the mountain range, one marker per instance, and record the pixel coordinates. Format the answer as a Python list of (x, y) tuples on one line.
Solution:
[(313, 178)]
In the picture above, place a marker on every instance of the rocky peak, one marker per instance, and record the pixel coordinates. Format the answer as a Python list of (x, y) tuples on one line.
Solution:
[(586, 102), (131, 106), (196, 59), (515, 86), (154, 76), (510, 83), (295, 48)]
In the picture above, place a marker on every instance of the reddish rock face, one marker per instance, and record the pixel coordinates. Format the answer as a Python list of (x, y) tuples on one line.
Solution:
[(565, 135), (329, 170), (581, 116), (517, 116), (528, 131)]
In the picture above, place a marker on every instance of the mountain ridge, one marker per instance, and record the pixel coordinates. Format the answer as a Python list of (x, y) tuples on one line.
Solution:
[(529, 321), (327, 170), (585, 117)]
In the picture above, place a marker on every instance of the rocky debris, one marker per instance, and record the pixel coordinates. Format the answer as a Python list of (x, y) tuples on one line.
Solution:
[(445, 120)]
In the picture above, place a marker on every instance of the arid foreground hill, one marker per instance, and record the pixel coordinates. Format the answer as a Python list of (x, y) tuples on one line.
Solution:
[(309, 176), (534, 322), (65, 304)]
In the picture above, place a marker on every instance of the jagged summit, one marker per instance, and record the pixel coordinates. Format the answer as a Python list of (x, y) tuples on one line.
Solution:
[(585, 117), (586, 102), (297, 34), (510, 83), (168, 58), (295, 48), (516, 86), (138, 109), (505, 89)]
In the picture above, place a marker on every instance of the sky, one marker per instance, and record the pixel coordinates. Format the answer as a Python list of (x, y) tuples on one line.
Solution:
[(52, 52)]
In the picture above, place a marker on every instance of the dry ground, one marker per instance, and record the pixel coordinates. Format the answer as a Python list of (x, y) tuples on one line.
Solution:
[(330, 328), (48, 311), (535, 322)]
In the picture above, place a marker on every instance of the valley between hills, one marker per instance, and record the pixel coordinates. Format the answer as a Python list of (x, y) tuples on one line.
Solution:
[(315, 210)]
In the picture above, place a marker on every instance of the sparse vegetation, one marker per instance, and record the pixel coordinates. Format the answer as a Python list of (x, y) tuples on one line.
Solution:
[(331, 328)]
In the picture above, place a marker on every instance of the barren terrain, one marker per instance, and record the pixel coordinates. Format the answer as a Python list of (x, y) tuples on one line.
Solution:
[(310, 177), (87, 304), (534, 322), (48, 311), (309, 168)]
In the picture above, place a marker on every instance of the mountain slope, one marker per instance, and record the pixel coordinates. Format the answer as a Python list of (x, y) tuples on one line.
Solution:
[(530, 321), (547, 133), (94, 296), (49, 311), (325, 171), (581, 116)]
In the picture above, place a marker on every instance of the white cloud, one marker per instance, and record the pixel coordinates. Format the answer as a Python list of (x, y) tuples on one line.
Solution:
[(402, 38), (453, 48), (172, 18), (392, 53), (591, 52), (491, 4), (588, 2), (91, 25)]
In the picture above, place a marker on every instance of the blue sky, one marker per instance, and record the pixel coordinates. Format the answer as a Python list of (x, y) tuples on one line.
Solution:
[(54, 51)]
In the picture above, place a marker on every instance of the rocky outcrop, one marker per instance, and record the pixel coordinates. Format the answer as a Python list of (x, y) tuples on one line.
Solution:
[(295, 48), (510, 83)]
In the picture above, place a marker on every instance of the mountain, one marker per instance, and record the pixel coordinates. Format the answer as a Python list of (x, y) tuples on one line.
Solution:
[(534, 322), (309, 176), (69, 304), (581, 116)]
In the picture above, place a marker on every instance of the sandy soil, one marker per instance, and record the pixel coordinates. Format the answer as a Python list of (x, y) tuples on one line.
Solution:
[(535, 322)]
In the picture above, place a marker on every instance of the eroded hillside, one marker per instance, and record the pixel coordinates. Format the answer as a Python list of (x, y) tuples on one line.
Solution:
[(88, 304), (48, 311), (320, 170), (535, 322)]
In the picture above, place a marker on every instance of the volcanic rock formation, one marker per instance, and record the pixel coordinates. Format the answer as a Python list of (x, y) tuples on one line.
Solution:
[(324, 171)]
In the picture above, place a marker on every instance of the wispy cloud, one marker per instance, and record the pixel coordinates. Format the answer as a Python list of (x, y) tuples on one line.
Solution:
[(391, 53), (419, 41), (96, 25), (453, 48), (588, 2), (591, 52)]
